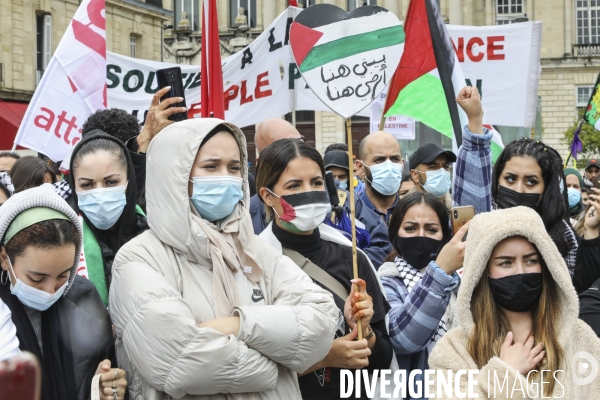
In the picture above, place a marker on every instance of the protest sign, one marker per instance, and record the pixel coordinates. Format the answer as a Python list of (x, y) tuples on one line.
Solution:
[(346, 58), (504, 63), (72, 87)]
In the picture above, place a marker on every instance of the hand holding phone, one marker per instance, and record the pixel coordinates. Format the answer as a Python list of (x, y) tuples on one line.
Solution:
[(172, 77), (460, 216)]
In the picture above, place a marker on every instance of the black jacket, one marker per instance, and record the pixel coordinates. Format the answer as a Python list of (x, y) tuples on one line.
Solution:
[(84, 321), (587, 265), (589, 307)]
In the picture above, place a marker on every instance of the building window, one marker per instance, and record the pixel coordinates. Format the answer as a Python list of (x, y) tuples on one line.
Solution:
[(353, 4), (583, 96), (44, 44), (132, 46), (508, 10), (510, 6), (588, 21), (249, 7), (187, 11), (306, 3)]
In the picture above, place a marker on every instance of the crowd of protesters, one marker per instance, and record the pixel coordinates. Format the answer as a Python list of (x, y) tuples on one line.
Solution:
[(161, 266)]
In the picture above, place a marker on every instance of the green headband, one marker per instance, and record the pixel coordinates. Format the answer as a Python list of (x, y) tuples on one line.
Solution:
[(31, 217)]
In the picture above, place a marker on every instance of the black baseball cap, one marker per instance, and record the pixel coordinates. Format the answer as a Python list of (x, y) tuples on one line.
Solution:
[(427, 154), (592, 162), (336, 158)]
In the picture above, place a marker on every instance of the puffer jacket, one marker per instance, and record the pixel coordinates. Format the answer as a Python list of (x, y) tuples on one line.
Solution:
[(574, 336), (162, 288)]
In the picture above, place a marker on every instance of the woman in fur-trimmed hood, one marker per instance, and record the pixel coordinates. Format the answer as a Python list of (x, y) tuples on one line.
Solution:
[(518, 312)]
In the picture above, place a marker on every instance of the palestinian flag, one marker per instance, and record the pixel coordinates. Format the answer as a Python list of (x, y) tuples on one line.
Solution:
[(428, 79), (497, 145), (346, 56), (321, 39)]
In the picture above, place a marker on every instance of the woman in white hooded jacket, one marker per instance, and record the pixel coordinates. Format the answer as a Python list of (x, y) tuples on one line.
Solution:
[(202, 308), (518, 317)]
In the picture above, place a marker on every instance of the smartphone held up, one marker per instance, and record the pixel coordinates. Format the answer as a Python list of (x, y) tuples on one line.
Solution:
[(460, 216), (172, 77)]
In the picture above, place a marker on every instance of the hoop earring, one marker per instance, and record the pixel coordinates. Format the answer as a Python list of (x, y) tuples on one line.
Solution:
[(3, 277)]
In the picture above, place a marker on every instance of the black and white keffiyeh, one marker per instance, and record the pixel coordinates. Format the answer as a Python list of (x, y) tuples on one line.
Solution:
[(7, 183), (411, 276), (63, 189)]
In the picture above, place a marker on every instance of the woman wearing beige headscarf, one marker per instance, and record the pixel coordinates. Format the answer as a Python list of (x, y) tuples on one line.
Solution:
[(202, 307)]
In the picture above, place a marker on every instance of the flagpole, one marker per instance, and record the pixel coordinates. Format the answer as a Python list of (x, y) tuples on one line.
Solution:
[(352, 214), (382, 121)]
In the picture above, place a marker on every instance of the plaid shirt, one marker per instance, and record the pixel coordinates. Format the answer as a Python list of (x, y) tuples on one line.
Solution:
[(415, 317), (472, 184)]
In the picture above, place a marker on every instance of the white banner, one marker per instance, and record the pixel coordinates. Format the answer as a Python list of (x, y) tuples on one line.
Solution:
[(72, 88), (503, 61), (262, 81)]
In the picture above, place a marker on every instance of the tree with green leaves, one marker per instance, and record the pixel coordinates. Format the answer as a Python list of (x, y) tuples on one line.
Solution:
[(590, 138)]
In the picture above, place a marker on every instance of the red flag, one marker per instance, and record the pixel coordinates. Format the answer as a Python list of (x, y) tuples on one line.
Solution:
[(293, 3), (212, 73)]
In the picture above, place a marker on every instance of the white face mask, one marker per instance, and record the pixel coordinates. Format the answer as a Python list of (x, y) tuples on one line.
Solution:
[(303, 212), (32, 297), (103, 206)]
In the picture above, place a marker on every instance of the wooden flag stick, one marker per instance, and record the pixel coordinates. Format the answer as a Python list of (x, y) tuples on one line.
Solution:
[(352, 212), (382, 122)]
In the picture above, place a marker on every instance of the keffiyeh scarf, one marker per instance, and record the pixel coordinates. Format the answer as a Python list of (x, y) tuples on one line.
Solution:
[(7, 182), (63, 189), (412, 276)]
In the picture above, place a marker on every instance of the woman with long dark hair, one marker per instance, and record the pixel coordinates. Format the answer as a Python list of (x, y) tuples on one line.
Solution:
[(420, 278), (291, 182), (530, 173)]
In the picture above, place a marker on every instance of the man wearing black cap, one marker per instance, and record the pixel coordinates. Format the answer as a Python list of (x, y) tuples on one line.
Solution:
[(591, 172), (430, 171), (380, 247)]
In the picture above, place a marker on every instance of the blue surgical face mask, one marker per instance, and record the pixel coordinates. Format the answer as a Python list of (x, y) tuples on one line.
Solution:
[(343, 184), (32, 297), (103, 206), (386, 177), (438, 182), (574, 197), (215, 197)]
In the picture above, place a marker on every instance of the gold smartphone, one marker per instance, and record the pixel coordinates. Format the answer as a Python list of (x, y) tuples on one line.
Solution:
[(460, 216)]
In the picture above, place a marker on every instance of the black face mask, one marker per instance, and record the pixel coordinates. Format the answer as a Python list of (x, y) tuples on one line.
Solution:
[(508, 198), (517, 293), (418, 251)]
